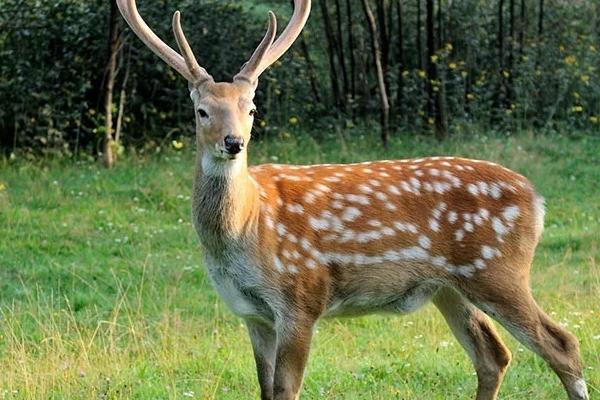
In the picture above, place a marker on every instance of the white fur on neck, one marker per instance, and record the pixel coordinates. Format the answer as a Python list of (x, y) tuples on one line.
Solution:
[(221, 168)]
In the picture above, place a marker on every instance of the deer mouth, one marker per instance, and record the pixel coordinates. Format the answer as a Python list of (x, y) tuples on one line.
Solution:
[(221, 154)]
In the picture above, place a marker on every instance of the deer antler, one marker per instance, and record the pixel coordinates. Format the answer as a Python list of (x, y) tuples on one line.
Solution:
[(268, 52), (186, 65)]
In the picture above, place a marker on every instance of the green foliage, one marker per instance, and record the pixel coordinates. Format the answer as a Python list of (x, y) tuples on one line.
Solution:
[(103, 293), (53, 56)]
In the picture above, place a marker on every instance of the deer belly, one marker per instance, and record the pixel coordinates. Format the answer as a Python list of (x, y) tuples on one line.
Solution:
[(403, 301)]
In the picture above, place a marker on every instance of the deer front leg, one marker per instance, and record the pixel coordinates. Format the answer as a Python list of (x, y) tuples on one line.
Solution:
[(293, 346), (264, 345)]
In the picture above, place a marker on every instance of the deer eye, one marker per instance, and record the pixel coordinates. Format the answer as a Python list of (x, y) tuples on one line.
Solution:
[(202, 113), (253, 112)]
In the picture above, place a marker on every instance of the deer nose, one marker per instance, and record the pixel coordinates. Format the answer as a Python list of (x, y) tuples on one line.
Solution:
[(233, 144)]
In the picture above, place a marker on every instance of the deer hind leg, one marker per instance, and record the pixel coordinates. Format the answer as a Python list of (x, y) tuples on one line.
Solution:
[(475, 332), (518, 312)]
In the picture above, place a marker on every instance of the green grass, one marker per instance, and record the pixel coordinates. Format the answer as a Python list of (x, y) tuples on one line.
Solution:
[(103, 293)]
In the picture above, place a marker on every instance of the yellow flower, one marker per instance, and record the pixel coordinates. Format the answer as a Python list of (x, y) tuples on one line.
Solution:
[(470, 96), (421, 73), (505, 73), (430, 121), (177, 145), (463, 74), (585, 78), (405, 73), (594, 119), (263, 123), (570, 60), (577, 109), (434, 58), (277, 92), (449, 46), (561, 48), (293, 120), (452, 65), (2, 186), (576, 95)]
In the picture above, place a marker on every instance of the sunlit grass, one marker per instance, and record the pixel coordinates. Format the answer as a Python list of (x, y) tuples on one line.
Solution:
[(103, 293)]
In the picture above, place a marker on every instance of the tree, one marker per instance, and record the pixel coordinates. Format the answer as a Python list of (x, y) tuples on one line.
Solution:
[(114, 48), (385, 105), (331, 53), (435, 101)]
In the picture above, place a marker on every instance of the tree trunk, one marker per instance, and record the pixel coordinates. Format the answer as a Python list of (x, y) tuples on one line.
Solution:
[(384, 33), (419, 45), (349, 29), (501, 34), (511, 48), (400, 95), (440, 28), (312, 75), (114, 47), (122, 99), (341, 55), (501, 95), (435, 104), (384, 38), (522, 25), (331, 52), (541, 21), (385, 106)]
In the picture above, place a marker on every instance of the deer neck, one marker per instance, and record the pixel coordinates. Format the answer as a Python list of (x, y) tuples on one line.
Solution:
[(225, 203)]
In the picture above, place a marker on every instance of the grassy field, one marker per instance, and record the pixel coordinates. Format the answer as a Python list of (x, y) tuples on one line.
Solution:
[(103, 294)]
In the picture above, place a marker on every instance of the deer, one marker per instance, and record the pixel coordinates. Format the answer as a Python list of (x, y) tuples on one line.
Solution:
[(288, 245)]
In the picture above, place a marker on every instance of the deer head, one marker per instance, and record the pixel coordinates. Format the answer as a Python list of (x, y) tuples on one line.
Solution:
[(224, 110)]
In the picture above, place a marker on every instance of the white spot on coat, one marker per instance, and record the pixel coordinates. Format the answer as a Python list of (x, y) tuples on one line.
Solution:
[(471, 188), (488, 252), (510, 213), (434, 225), (278, 264), (424, 242), (351, 213), (295, 208), (452, 217)]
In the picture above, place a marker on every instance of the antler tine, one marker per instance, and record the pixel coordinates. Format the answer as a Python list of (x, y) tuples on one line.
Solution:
[(248, 70), (262, 58), (195, 69), (130, 13)]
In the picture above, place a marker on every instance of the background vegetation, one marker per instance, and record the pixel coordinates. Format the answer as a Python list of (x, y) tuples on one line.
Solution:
[(502, 64)]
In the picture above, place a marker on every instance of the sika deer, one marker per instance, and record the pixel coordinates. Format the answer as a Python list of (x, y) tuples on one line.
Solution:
[(287, 245)]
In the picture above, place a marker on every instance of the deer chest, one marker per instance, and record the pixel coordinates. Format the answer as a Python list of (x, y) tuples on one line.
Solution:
[(237, 283)]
